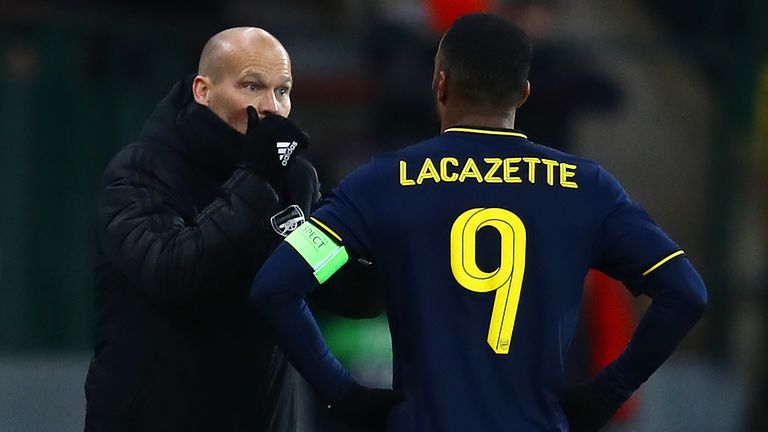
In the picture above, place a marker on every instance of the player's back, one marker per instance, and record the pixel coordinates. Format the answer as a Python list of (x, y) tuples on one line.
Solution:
[(490, 240), (483, 239)]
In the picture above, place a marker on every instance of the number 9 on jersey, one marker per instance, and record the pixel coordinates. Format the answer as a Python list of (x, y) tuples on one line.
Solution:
[(506, 280)]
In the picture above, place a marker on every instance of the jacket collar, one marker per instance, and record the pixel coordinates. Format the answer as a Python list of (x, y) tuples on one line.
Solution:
[(195, 131)]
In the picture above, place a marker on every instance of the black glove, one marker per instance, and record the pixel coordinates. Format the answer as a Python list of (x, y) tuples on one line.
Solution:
[(299, 191), (271, 145), (365, 409), (299, 185), (587, 407)]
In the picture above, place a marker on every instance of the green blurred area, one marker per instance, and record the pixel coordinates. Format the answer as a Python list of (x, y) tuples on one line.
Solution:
[(351, 340), (71, 98)]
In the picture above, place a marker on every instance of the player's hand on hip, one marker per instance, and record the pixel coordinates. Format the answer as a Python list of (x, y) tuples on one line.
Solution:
[(587, 407), (271, 145), (365, 409)]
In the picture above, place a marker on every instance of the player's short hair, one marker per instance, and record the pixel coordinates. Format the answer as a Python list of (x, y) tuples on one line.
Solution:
[(487, 59)]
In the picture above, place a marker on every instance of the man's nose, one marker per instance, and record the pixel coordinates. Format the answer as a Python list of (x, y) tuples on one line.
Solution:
[(267, 104)]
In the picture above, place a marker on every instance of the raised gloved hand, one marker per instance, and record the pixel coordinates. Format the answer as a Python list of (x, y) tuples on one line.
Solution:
[(271, 145), (299, 191), (587, 407), (365, 409)]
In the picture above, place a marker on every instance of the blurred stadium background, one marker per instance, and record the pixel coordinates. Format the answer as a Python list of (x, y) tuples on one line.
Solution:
[(672, 97)]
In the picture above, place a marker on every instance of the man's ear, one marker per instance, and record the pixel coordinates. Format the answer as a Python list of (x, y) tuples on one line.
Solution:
[(526, 93), (201, 87), (441, 87)]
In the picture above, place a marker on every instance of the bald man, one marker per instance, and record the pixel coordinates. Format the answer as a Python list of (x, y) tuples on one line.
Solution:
[(186, 216), (243, 67)]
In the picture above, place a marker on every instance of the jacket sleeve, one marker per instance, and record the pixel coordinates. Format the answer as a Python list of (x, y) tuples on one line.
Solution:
[(181, 262)]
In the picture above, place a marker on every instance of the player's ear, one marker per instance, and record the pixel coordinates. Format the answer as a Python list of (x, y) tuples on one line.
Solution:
[(526, 93), (201, 87), (441, 87)]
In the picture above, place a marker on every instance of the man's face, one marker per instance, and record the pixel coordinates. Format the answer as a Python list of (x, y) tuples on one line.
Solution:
[(251, 73)]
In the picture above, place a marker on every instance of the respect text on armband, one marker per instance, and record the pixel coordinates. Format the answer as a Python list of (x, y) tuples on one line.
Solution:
[(320, 251), (313, 235)]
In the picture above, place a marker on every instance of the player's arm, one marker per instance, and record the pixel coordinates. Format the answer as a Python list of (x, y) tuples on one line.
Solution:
[(631, 248), (679, 299), (353, 291), (308, 258)]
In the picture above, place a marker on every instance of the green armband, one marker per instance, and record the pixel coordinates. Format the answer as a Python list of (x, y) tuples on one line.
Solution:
[(324, 254)]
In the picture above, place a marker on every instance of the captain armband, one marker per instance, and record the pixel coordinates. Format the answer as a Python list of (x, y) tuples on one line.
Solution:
[(325, 254)]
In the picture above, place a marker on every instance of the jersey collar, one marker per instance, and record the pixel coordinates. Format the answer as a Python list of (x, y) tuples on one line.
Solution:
[(486, 131)]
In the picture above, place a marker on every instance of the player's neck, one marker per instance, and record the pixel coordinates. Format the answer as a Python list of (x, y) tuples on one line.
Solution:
[(481, 120)]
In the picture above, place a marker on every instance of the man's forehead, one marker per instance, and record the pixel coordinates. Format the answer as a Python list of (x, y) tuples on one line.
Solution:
[(265, 73), (250, 60)]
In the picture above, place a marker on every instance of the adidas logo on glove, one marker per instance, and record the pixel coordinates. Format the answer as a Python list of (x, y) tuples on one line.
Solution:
[(284, 151)]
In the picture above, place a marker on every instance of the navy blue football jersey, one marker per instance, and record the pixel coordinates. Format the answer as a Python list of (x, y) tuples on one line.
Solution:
[(483, 239)]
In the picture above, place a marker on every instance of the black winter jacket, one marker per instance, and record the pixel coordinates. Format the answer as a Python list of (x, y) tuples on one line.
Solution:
[(182, 232)]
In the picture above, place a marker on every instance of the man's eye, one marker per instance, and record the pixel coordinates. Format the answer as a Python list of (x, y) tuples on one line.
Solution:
[(282, 91), (251, 87)]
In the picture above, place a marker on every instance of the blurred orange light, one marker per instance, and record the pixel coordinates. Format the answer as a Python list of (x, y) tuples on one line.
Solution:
[(443, 13)]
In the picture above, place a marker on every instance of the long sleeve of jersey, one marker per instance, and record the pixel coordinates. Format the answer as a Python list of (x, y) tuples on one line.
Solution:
[(679, 299), (278, 293), (632, 248), (279, 290)]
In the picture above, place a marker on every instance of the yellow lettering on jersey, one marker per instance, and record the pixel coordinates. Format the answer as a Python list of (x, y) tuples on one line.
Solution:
[(510, 168), (490, 170), (532, 161), (404, 180), (444, 169), (470, 170), (489, 176), (551, 164), (428, 171), (565, 174)]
